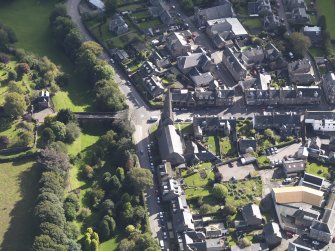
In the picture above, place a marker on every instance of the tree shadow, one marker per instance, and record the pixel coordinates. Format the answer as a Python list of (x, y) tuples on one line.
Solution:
[(20, 234)]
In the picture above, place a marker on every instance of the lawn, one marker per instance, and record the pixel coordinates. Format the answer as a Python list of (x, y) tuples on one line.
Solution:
[(18, 189), (252, 24), (317, 52), (185, 128), (318, 170), (109, 245), (213, 144), (30, 21), (327, 8)]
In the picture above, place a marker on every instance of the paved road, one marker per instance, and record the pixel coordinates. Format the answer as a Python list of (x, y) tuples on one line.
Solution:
[(139, 115)]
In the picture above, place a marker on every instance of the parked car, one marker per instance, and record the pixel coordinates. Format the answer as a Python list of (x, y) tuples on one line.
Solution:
[(276, 149), (158, 200), (164, 235), (230, 164), (112, 61), (161, 215)]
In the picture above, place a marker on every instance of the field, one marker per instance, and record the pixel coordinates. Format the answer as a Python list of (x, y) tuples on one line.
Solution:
[(17, 198), (327, 8), (30, 21)]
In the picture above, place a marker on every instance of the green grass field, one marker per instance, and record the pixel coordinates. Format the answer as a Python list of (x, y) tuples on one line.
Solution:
[(318, 170), (30, 21), (18, 188), (327, 8)]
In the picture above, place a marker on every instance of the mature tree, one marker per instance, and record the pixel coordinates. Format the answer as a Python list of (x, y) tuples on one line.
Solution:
[(126, 245), (300, 43), (220, 191), (49, 196), (72, 42), (71, 230), (107, 207), (4, 58), (15, 104), (46, 211), (52, 182), (66, 116), (92, 46), (140, 178), (55, 161), (120, 174), (45, 242), (127, 213), (59, 130), (48, 135), (205, 209), (72, 132), (115, 184), (91, 242), (26, 138), (106, 227), (269, 133), (108, 96), (58, 146), (218, 177), (58, 11), (229, 210), (102, 71), (55, 232), (4, 142), (96, 195)]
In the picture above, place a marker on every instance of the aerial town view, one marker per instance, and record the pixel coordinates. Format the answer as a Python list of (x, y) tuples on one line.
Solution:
[(167, 125)]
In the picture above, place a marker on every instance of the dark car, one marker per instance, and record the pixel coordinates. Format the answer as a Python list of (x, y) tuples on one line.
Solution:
[(230, 164)]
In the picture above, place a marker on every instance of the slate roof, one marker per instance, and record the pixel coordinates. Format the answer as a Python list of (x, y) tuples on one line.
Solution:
[(118, 25), (253, 55), (153, 85), (226, 27), (272, 229), (200, 79), (194, 240), (319, 115), (244, 144), (190, 61), (221, 11), (169, 141), (98, 4), (273, 119), (233, 60), (251, 213), (299, 66)]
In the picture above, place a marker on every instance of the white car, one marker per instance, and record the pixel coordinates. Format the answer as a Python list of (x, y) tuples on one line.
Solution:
[(112, 61), (161, 215), (158, 200), (164, 235)]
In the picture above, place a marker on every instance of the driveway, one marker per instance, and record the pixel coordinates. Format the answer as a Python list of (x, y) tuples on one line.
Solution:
[(285, 151), (238, 171), (39, 116)]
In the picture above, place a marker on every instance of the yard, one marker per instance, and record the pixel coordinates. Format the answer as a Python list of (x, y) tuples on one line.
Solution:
[(243, 192), (18, 189), (253, 24), (185, 128), (318, 170), (34, 35), (327, 8)]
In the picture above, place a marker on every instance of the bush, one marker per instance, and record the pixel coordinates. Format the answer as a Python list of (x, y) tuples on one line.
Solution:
[(59, 130)]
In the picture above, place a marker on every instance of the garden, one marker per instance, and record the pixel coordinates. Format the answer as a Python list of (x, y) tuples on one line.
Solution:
[(200, 184), (318, 169)]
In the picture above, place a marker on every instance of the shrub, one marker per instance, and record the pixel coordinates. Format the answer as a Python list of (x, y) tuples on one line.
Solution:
[(4, 142)]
